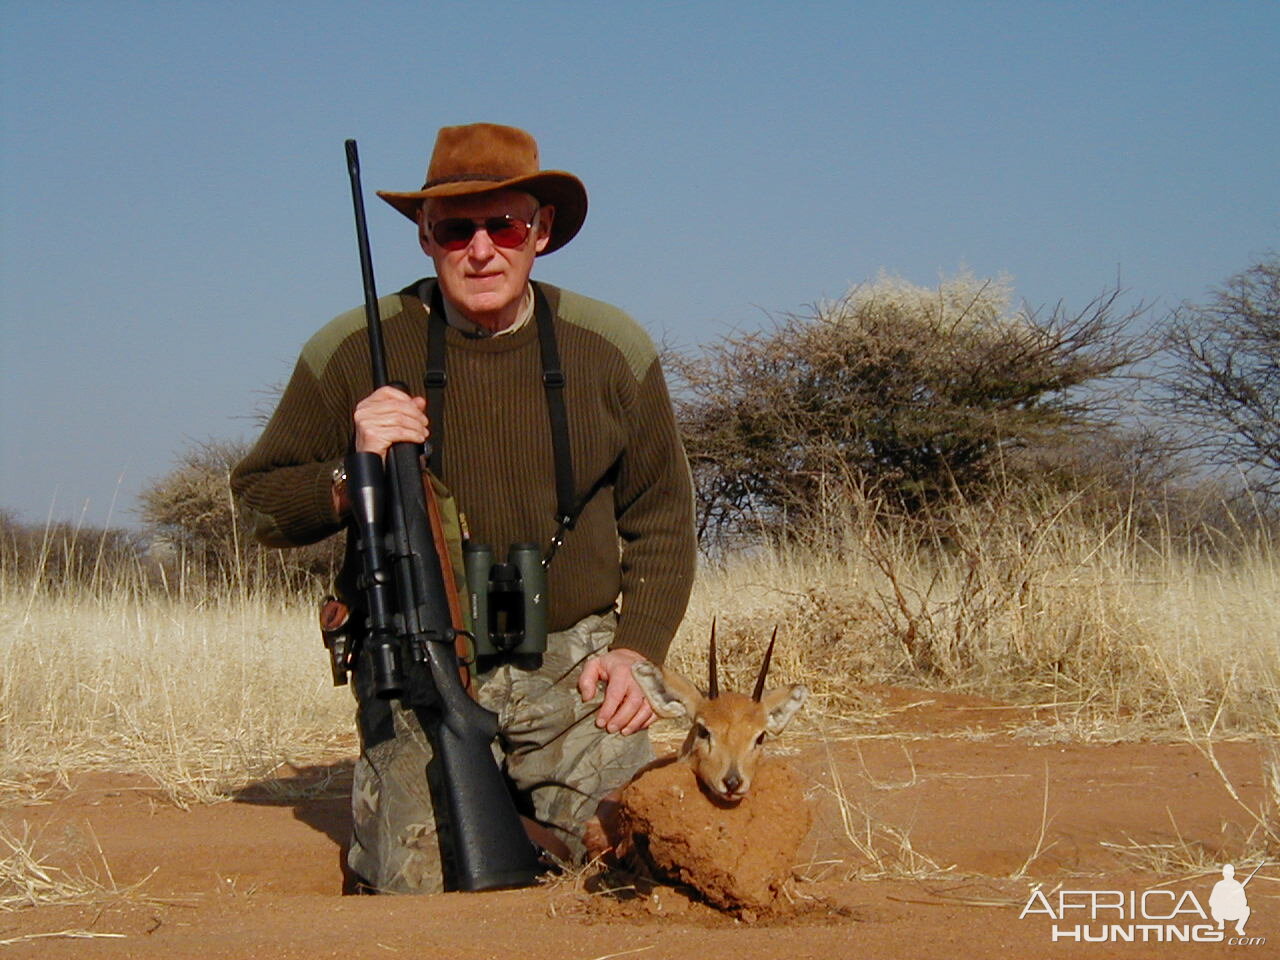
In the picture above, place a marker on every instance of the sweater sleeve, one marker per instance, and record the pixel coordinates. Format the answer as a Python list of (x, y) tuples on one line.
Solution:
[(654, 503), (285, 481)]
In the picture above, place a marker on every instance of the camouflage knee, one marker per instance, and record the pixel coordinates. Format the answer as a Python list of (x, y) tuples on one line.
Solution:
[(397, 829), (554, 753)]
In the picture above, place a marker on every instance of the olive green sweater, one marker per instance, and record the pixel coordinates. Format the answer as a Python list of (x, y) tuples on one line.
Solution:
[(635, 536)]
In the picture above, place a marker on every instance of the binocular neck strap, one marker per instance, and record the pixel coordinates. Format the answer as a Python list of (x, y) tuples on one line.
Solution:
[(553, 380)]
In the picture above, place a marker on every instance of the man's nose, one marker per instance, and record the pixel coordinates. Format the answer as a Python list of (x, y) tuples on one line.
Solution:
[(481, 245)]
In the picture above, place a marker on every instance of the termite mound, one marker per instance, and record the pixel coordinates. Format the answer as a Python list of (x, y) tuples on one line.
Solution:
[(737, 856)]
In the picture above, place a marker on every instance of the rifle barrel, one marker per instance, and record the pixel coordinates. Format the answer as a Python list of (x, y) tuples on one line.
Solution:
[(377, 352)]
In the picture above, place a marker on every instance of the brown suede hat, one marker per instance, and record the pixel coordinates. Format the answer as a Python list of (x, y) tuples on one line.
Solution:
[(484, 157)]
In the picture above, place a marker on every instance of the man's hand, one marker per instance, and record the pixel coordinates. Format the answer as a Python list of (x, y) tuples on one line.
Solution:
[(387, 416), (625, 710)]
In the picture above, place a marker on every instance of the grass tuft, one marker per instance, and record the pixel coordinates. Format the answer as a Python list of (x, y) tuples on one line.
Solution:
[(29, 880)]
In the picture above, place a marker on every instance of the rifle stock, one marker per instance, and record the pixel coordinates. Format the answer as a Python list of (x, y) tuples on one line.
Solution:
[(412, 626)]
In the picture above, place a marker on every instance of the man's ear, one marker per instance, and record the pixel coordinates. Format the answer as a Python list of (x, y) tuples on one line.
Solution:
[(422, 228), (546, 217), (668, 693)]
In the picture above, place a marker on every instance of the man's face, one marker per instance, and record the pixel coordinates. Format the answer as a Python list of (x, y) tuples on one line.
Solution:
[(483, 280)]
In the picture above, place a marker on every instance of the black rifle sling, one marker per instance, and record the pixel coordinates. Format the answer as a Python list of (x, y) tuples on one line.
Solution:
[(553, 381), (435, 381)]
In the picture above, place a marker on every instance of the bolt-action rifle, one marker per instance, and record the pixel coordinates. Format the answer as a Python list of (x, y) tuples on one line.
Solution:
[(413, 622)]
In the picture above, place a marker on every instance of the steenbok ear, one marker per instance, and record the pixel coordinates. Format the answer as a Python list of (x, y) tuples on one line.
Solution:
[(670, 695), (780, 706)]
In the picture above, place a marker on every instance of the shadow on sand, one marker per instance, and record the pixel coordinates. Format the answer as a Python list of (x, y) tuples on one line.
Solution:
[(320, 795)]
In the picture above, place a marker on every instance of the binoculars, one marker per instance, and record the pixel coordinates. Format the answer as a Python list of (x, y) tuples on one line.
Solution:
[(508, 602)]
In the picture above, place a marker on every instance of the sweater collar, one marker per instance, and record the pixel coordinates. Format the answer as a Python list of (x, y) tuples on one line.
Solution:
[(474, 331)]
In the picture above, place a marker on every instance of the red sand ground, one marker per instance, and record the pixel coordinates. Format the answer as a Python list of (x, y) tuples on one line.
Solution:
[(259, 877)]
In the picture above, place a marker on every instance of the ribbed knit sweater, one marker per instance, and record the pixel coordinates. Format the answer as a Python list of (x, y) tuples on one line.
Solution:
[(634, 538)]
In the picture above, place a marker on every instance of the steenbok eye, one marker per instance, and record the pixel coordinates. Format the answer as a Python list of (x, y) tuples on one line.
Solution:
[(703, 733), (760, 740)]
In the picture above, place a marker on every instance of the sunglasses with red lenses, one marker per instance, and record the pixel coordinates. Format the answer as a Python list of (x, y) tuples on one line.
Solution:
[(455, 233)]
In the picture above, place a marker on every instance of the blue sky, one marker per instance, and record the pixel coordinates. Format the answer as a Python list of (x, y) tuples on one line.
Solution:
[(176, 222)]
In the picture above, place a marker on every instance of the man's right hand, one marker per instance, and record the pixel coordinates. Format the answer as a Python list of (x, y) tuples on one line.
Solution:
[(387, 416)]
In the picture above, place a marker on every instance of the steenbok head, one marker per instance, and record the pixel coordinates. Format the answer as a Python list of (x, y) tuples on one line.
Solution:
[(727, 730)]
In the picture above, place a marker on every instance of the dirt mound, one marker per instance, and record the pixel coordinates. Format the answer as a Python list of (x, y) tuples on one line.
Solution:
[(738, 856)]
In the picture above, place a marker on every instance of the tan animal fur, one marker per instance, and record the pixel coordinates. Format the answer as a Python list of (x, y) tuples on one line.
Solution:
[(727, 733)]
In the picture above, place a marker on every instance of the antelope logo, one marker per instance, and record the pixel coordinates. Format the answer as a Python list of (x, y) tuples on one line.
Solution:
[(728, 730)]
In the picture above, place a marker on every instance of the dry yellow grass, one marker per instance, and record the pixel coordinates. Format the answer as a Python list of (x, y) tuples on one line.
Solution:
[(206, 694), (202, 695), (1124, 637)]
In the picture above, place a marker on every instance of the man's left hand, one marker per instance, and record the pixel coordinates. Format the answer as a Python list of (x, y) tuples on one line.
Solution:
[(625, 710)]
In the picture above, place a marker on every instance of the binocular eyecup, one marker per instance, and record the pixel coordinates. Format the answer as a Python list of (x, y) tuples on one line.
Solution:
[(508, 602)]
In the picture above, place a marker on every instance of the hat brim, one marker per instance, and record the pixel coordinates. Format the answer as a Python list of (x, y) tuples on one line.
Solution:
[(556, 188)]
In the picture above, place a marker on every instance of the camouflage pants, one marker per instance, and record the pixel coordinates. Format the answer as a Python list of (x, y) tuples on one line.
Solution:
[(559, 763)]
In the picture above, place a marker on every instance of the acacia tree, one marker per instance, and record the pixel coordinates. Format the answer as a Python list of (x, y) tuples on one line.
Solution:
[(909, 392), (192, 509), (1222, 381)]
